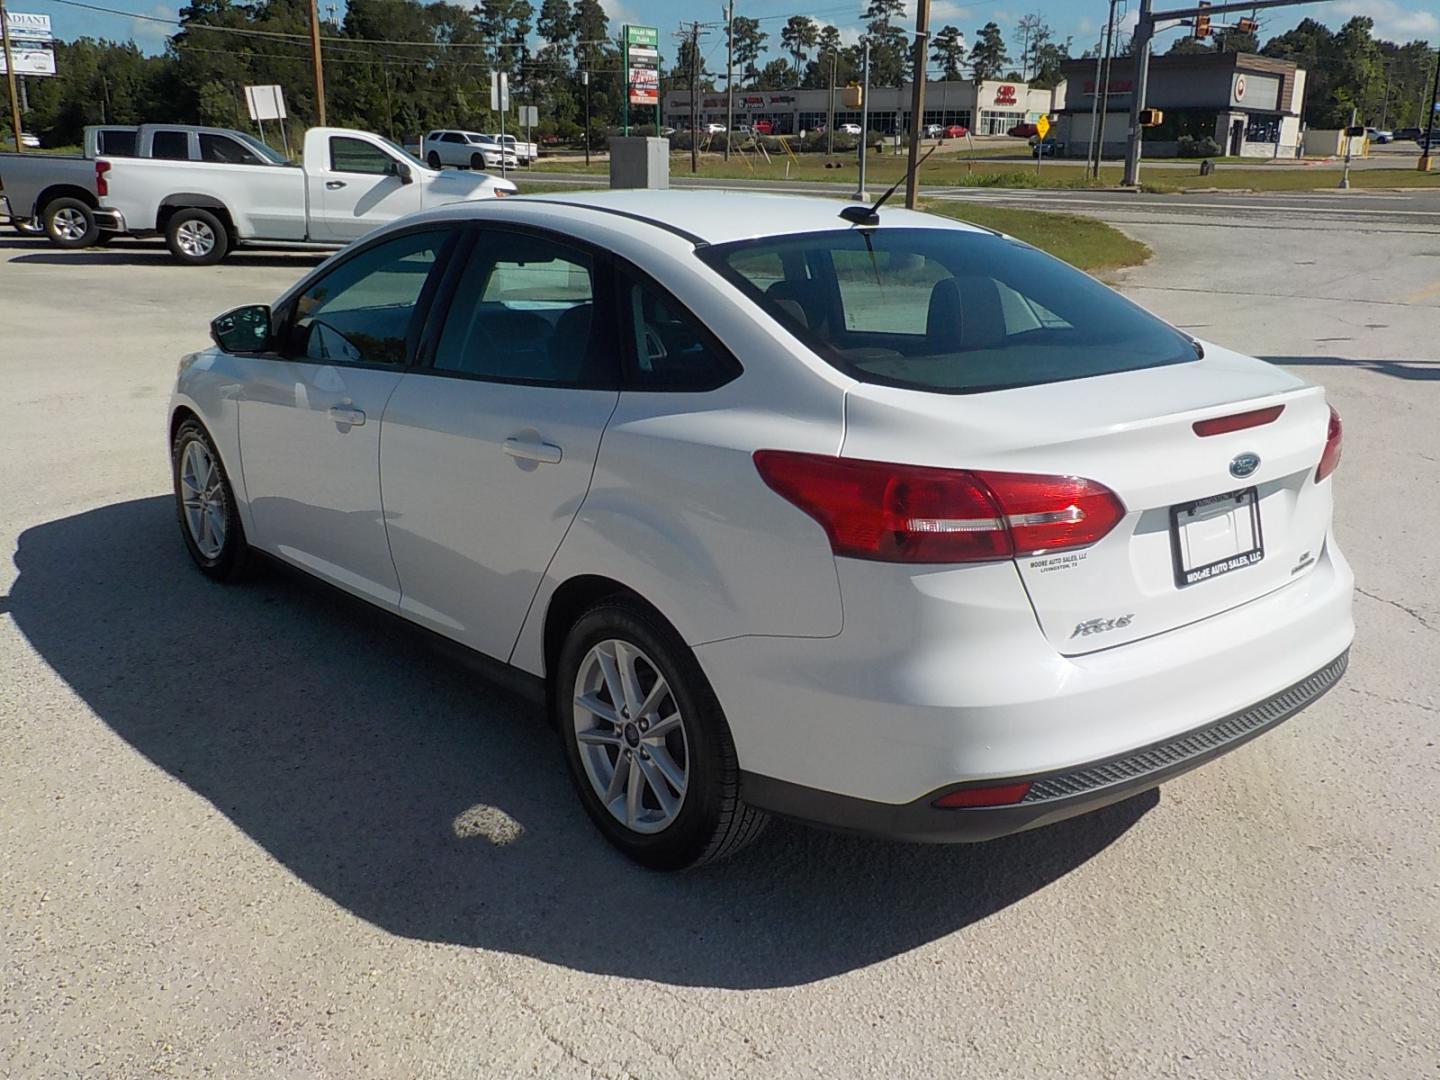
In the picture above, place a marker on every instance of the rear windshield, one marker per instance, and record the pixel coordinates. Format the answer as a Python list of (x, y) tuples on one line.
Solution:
[(946, 310)]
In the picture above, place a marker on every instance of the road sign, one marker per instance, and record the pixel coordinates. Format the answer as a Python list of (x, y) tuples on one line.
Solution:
[(499, 92), (1042, 126), (265, 102), (642, 64), (529, 115)]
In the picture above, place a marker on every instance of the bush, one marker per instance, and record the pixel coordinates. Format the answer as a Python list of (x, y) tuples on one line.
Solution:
[(1189, 146)]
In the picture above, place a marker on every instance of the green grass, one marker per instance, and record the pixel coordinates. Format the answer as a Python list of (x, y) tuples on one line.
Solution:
[(1285, 179), (1083, 242)]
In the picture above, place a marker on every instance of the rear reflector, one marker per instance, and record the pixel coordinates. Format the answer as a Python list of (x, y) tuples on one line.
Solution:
[(1221, 425), (917, 514), (1333, 437), (1001, 795)]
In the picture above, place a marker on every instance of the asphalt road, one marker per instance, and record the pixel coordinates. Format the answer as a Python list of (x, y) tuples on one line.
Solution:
[(251, 832)]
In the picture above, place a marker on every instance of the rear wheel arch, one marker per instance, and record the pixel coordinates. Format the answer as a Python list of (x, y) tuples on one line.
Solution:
[(65, 191), (173, 204), (575, 597)]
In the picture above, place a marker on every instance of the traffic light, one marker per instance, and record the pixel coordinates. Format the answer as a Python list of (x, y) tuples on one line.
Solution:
[(854, 96), (1247, 26), (1151, 117), (1202, 21)]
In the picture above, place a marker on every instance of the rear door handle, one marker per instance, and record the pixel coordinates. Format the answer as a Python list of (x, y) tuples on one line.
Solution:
[(334, 185), (526, 450), (344, 414)]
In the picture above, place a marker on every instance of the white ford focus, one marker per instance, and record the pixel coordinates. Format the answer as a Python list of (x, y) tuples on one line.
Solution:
[(897, 525)]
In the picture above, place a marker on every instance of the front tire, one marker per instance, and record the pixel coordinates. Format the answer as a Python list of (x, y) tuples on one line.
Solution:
[(197, 237), (69, 223), (433, 160), (477, 162), (650, 753), (205, 505)]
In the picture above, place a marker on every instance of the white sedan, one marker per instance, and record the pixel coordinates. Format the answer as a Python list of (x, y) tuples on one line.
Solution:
[(881, 521)]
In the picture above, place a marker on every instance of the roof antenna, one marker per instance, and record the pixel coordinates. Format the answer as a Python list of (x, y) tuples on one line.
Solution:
[(870, 215)]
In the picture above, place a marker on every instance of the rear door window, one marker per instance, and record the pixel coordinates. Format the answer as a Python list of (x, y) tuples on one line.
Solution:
[(170, 145), (946, 310)]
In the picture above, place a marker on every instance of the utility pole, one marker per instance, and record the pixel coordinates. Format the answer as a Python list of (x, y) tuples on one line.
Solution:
[(830, 120), (917, 100), (1429, 150), (319, 65), (585, 82), (694, 36), (10, 77), (1102, 94), (1144, 31), (861, 194), (729, 74)]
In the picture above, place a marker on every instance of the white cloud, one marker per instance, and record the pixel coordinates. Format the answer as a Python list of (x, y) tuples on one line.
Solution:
[(946, 11), (147, 31), (1391, 19)]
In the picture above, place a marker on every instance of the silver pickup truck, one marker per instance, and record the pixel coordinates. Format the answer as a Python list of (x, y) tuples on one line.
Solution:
[(56, 194)]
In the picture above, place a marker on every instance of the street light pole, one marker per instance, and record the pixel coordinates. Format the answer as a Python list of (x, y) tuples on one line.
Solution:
[(1144, 31), (1430, 125), (729, 74), (585, 82), (830, 120), (860, 193)]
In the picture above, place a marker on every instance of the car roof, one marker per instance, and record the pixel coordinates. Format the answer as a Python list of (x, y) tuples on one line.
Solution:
[(718, 217)]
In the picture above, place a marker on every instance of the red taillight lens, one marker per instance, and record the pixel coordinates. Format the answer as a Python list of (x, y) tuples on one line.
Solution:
[(1331, 457), (1000, 795), (102, 185), (1222, 425), (913, 513)]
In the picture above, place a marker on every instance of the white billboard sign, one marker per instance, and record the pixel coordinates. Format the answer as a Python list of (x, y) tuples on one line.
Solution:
[(30, 59), (26, 27), (265, 102)]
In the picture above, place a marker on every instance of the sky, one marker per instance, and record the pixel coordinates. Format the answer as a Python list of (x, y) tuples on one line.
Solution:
[(1081, 20)]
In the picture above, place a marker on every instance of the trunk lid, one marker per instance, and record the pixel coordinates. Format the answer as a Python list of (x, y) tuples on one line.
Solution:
[(1169, 562)]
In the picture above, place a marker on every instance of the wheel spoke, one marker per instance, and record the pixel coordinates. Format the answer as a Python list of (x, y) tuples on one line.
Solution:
[(663, 726), (654, 698), (657, 784), (629, 680), (590, 702), (616, 787), (611, 673), (635, 787), (597, 737), (665, 766)]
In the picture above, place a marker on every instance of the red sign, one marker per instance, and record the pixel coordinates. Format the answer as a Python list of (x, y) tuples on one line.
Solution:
[(1005, 95)]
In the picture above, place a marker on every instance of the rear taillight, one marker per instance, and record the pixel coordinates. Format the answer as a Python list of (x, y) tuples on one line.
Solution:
[(916, 514), (1223, 425), (102, 185), (1331, 457), (997, 795)]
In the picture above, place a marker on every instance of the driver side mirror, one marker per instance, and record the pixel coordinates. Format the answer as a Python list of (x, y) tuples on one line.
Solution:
[(243, 329), (400, 169)]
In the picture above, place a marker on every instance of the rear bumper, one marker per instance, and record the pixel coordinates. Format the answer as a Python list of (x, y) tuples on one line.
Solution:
[(1052, 797), (110, 220)]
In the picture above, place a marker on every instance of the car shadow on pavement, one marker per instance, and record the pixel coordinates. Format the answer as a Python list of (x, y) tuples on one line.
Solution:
[(435, 805), (1415, 370), (143, 253)]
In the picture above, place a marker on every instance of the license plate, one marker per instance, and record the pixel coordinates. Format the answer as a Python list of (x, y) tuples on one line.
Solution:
[(1215, 536)]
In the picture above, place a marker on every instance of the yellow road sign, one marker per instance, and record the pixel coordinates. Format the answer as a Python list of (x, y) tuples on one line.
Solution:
[(1042, 126)]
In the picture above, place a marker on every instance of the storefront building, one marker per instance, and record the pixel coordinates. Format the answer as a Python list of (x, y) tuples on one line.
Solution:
[(1249, 105), (986, 108)]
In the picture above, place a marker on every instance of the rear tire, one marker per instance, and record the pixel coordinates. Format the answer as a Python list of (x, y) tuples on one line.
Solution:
[(205, 505), (69, 223), (433, 160), (650, 753), (197, 237)]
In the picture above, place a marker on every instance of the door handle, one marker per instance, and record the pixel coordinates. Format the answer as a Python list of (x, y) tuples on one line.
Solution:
[(334, 185), (345, 414), (526, 450)]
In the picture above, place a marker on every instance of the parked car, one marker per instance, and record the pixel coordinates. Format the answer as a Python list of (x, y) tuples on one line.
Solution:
[(29, 139), (956, 131), (350, 182), (906, 528), (465, 150), (1379, 135), (1050, 147), (764, 127), (525, 153), (1023, 131), (714, 129), (933, 131), (1411, 134), (850, 129), (57, 194)]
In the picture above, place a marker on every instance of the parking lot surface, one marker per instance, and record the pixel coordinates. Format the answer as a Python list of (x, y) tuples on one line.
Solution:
[(250, 831)]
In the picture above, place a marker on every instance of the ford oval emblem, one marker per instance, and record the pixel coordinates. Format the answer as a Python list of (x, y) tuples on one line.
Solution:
[(1244, 464)]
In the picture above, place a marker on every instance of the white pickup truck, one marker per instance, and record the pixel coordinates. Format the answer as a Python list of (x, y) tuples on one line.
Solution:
[(350, 182)]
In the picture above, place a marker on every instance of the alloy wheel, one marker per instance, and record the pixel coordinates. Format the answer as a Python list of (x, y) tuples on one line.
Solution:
[(203, 495), (195, 238), (70, 223), (631, 737)]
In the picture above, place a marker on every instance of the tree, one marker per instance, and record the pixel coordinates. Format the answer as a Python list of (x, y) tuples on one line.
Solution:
[(1045, 73), (1035, 34), (747, 43), (988, 58), (947, 48), (827, 49), (776, 75), (1189, 46), (557, 22), (889, 44), (798, 37)]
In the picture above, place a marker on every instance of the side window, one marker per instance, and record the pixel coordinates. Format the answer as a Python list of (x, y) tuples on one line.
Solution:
[(170, 145), (114, 142), (358, 156), (452, 137), (361, 312), (524, 311), (668, 348), (226, 151)]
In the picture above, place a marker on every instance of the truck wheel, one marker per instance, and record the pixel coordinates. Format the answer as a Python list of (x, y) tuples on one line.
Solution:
[(197, 237), (433, 160), (69, 223)]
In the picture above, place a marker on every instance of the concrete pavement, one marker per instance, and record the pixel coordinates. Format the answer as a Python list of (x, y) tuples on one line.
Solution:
[(249, 832)]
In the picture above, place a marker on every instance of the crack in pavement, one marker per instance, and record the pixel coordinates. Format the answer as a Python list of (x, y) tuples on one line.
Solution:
[(1396, 604)]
